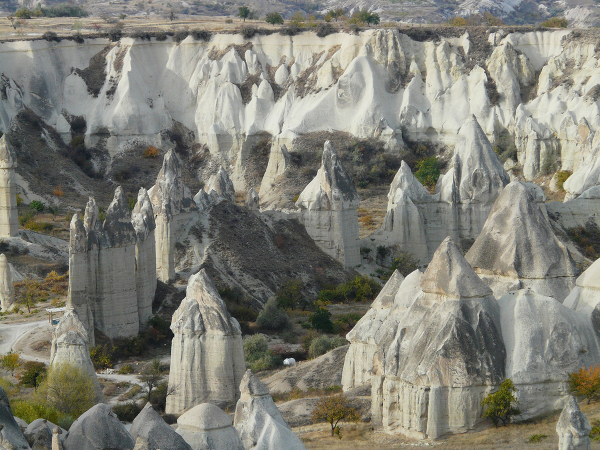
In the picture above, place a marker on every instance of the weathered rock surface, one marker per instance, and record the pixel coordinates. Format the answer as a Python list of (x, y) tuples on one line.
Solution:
[(517, 248), (221, 184), (207, 356), (328, 208), (252, 200), (150, 427), (9, 223), (70, 345), (206, 427), (39, 434), (573, 428), (258, 421), (7, 288), (11, 436), (584, 297), (319, 373), (173, 209), (545, 341), (98, 429), (445, 356)]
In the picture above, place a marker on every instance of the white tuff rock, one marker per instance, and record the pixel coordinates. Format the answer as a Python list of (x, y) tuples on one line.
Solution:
[(252, 200), (11, 436), (7, 288), (573, 428), (207, 356), (221, 184), (98, 429), (149, 426), (328, 209), (259, 422), (9, 223), (206, 427)]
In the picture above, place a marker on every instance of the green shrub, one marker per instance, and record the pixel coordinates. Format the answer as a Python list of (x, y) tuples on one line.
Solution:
[(322, 344), (126, 412), (345, 323), (535, 438), (561, 177), (321, 320), (201, 35), (29, 410), (158, 396), (257, 354), (274, 19), (68, 389), (428, 171), (555, 22), (501, 405), (126, 369), (37, 206), (290, 296), (33, 374), (272, 318), (360, 289)]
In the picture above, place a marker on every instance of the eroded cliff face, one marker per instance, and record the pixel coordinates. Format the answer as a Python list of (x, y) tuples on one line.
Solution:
[(373, 84)]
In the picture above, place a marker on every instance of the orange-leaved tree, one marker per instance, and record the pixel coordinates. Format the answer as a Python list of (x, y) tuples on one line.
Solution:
[(334, 409), (586, 382)]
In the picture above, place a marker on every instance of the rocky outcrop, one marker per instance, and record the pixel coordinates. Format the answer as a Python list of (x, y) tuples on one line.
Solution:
[(372, 333), (39, 434), (108, 287), (207, 356), (446, 353), (9, 223), (149, 426), (252, 200), (517, 248), (573, 428), (258, 421), (70, 345), (173, 209), (7, 288), (142, 218), (328, 210), (279, 162), (206, 427), (545, 341), (221, 184), (11, 436), (98, 429), (584, 297)]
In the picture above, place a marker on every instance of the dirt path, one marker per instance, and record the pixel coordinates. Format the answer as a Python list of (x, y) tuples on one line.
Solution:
[(13, 335)]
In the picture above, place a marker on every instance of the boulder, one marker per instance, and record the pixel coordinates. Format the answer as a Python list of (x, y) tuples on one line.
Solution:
[(545, 341), (206, 427), (154, 431), (70, 345), (11, 436), (39, 434), (98, 429), (9, 220), (517, 248), (173, 209), (328, 209), (7, 288), (445, 355), (573, 428), (258, 421), (207, 356)]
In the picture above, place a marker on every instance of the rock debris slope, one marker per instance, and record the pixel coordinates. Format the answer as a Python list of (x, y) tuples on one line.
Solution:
[(517, 248), (573, 428), (9, 223), (104, 273), (206, 427), (173, 209), (328, 208), (258, 421), (70, 345), (446, 354), (207, 356)]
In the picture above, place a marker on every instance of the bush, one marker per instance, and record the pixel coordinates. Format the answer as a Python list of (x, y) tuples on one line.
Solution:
[(50, 36), (141, 35), (586, 382), (555, 22), (274, 19), (321, 345), (23, 13), (125, 369), (248, 32), (561, 177), (11, 361), (101, 356), (321, 320), (273, 318), (325, 29), (458, 22), (68, 389), (501, 405), (64, 10), (257, 354), (405, 263), (428, 171), (115, 34), (535, 438), (158, 396), (126, 412), (37, 205), (360, 289), (201, 35), (290, 296), (151, 152), (332, 410), (33, 374), (161, 36), (180, 35), (29, 411)]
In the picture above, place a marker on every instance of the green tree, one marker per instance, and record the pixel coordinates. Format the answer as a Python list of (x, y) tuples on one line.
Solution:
[(274, 19), (335, 14), (244, 12), (428, 171), (151, 375), (68, 389), (332, 410), (271, 317), (290, 296), (297, 19), (502, 404), (321, 320), (11, 361), (33, 374)]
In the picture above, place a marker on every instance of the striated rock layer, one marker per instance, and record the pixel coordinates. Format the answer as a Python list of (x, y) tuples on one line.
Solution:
[(207, 356), (9, 217), (328, 208)]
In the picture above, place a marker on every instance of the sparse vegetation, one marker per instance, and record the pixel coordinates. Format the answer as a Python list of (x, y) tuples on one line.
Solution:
[(322, 344), (333, 409), (555, 22), (257, 354), (586, 239), (68, 390), (501, 406), (360, 289), (586, 382), (33, 374), (126, 412), (561, 177), (11, 361), (274, 19), (271, 317), (321, 320), (536, 438), (428, 172)]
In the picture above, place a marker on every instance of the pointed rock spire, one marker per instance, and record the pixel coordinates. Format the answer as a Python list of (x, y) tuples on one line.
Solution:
[(170, 195), (7, 288), (117, 225), (252, 200), (450, 275), (8, 157), (573, 428), (142, 216), (221, 184), (149, 426)]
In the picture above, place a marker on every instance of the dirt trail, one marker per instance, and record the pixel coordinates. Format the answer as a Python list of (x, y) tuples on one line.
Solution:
[(12, 334)]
